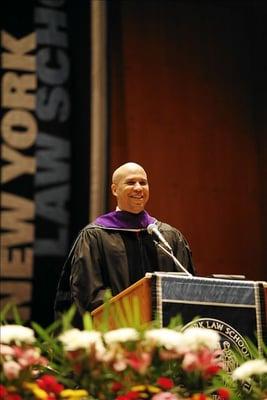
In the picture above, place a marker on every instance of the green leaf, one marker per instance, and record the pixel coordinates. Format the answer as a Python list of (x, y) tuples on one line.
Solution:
[(4, 312), (87, 321), (67, 318), (41, 332), (10, 311)]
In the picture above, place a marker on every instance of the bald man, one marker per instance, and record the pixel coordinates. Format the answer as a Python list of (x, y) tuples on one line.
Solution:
[(116, 249)]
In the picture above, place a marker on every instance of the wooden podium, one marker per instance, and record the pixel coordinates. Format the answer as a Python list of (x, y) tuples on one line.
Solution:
[(237, 309), (140, 290)]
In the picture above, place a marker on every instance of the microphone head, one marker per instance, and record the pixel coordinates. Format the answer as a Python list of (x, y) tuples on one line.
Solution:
[(150, 228)]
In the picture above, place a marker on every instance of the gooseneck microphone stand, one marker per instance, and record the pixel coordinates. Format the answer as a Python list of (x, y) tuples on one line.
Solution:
[(170, 254)]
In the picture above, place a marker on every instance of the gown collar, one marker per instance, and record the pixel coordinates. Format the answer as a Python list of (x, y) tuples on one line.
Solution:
[(125, 220)]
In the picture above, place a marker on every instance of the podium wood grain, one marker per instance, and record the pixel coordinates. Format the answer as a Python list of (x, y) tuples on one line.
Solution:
[(140, 290)]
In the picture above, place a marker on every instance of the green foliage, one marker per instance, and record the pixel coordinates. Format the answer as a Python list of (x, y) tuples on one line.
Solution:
[(67, 318), (10, 312), (87, 322)]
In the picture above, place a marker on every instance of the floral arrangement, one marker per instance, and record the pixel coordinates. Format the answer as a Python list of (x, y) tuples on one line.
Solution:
[(127, 363), (24, 371)]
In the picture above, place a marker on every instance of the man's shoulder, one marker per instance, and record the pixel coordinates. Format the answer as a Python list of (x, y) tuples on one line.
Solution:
[(166, 227), (90, 229), (171, 230), (90, 226)]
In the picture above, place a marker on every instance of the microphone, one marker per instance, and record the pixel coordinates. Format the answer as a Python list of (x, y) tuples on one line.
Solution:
[(152, 228)]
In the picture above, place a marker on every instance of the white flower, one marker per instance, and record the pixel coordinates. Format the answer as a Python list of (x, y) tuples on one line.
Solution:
[(196, 338), (168, 338), (120, 365), (121, 335), (75, 339), (252, 367), (16, 333)]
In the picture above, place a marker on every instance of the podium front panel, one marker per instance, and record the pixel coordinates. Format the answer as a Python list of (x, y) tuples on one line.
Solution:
[(234, 308)]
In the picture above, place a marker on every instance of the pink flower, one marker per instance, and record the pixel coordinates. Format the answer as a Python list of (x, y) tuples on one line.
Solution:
[(11, 369), (165, 396), (6, 350), (31, 356)]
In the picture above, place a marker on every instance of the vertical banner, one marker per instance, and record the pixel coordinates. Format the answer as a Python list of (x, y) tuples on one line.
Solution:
[(35, 154)]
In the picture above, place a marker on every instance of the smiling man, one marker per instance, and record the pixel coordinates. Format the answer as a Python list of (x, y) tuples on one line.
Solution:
[(130, 186), (116, 249)]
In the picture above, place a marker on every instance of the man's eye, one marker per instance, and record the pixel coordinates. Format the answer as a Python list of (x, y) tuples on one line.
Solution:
[(132, 183)]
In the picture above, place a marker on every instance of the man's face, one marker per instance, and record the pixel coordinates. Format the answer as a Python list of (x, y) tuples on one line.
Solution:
[(131, 190)]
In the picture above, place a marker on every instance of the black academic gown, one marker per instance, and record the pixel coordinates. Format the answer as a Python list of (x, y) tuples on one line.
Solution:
[(104, 258)]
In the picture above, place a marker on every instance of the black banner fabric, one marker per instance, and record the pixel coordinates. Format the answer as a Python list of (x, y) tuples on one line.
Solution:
[(233, 308), (38, 135), (19, 128)]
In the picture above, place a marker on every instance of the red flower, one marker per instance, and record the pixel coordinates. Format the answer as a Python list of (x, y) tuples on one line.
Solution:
[(132, 395), (223, 393), (6, 395), (116, 386), (138, 362), (49, 384), (212, 369), (3, 391), (128, 396), (204, 361), (165, 383), (13, 396)]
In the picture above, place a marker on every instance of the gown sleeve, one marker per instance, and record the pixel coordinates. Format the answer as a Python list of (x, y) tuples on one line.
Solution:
[(82, 278), (87, 278)]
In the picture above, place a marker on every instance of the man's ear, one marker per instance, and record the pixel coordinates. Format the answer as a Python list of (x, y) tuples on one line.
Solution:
[(114, 189)]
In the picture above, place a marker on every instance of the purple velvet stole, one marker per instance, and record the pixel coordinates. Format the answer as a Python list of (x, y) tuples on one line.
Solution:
[(124, 220)]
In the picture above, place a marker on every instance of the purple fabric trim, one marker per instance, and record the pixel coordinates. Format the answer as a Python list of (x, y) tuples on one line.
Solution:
[(125, 220)]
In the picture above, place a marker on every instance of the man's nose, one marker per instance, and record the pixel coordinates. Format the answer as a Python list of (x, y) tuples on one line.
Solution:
[(137, 186)]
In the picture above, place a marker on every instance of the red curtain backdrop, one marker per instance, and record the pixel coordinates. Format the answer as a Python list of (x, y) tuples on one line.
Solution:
[(188, 102)]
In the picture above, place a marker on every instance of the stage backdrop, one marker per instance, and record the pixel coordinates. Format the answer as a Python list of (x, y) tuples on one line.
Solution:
[(43, 135), (188, 101)]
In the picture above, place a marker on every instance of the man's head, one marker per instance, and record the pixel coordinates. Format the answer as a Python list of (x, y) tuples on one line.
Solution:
[(130, 187)]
